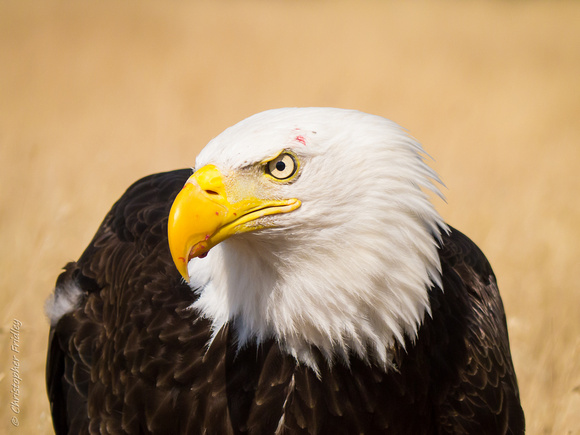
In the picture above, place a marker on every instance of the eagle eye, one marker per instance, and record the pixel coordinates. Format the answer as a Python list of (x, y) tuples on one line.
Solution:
[(282, 167)]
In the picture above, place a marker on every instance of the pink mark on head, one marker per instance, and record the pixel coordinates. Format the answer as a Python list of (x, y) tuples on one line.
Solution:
[(207, 237), (181, 259), (300, 139), (217, 213)]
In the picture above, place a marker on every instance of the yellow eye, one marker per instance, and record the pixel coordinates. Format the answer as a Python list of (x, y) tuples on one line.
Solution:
[(282, 167)]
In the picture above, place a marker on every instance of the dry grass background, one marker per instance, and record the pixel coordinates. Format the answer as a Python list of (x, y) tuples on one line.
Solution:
[(94, 95)]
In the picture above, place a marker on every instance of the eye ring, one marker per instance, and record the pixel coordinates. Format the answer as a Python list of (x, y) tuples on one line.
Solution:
[(282, 167)]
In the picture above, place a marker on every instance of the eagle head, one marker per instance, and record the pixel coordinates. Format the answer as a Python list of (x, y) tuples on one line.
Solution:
[(313, 227)]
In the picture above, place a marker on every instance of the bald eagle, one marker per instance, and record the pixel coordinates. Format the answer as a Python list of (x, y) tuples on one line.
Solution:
[(299, 280)]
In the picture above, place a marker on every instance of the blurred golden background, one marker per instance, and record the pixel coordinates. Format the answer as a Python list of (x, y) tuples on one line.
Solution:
[(94, 95)]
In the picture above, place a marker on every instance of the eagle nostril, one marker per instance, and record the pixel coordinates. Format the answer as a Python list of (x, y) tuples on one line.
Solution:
[(211, 192)]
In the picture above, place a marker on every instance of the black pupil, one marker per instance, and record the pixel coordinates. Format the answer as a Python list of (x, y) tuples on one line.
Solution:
[(280, 166)]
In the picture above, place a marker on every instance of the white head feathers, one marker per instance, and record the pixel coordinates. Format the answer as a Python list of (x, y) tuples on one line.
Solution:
[(348, 271)]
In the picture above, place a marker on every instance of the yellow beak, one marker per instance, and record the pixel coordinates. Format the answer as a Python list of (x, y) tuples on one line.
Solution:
[(203, 216)]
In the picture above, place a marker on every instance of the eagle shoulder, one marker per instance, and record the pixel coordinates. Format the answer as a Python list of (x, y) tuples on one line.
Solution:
[(470, 345), (130, 355)]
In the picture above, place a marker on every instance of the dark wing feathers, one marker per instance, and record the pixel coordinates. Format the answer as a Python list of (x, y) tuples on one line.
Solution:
[(483, 395), (134, 358)]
